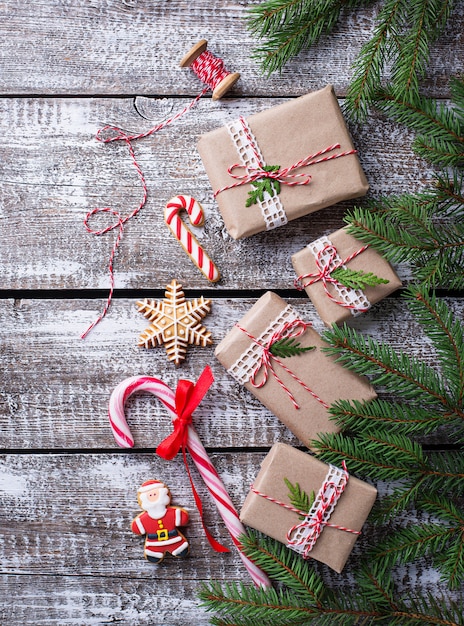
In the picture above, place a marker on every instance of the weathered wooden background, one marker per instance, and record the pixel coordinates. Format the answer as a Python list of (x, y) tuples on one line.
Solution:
[(67, 492)]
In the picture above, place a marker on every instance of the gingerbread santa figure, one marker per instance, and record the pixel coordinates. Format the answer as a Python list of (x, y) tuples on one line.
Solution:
[(159, 522)]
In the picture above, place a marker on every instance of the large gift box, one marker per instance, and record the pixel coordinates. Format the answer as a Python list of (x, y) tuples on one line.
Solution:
[(328, 530), (298, 389), (309, 128), (335, 301)]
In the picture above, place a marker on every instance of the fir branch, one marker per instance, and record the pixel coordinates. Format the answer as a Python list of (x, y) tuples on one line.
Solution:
[(374, 599), (425, 21), (356, 279), (288, 346), (397, 371), (446, 333), (299, 498), (441, 134), (443, 543), (288, 26)]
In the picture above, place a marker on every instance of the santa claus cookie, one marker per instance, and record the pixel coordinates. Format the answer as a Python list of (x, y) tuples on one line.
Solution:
[(159, 522)]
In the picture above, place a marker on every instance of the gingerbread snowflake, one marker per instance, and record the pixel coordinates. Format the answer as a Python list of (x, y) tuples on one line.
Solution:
[(174, 322)]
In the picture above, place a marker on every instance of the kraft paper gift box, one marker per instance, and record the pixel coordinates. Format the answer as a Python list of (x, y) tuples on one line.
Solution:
[(333, 545), (283, 135), (324, 380), (311, 262)]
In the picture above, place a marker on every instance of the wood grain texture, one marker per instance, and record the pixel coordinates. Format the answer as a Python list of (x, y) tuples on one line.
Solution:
[(119, 47), (56, 386), (67, 493), (53, 172), (69, 557)]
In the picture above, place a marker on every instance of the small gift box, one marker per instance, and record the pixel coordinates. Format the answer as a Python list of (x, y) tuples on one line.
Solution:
[(277, 356), (342, 276), (282, 163), (337, 505)]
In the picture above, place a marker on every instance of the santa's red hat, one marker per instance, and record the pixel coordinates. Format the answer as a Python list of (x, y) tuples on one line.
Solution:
[(148, 485)]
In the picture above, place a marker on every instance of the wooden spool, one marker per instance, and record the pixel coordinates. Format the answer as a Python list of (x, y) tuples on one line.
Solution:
[(225, 84)]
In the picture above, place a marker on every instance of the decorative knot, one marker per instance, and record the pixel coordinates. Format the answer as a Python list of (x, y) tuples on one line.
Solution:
[(289, 330), (325, 268)]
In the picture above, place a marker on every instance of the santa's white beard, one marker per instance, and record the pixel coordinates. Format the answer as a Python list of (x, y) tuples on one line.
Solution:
[(157, 509)]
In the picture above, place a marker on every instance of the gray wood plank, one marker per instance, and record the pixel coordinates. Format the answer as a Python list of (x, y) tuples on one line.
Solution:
[(56, 386), (53, 172), (69, 557), (135, 47)]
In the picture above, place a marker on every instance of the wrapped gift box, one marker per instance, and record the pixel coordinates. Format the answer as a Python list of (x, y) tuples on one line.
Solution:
[(333, 545), (310, 263), (284, 134), (313, 378)]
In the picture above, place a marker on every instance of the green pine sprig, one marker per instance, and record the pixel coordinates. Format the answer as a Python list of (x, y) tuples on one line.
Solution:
[(288, 346), (356, 279), (303, 598), (442, 543), (262, 185), (402, 37), (288, 26), (299, 498), (440, 127)]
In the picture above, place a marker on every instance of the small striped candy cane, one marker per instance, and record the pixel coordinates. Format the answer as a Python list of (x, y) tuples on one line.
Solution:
[(123, 437), (187, 240)]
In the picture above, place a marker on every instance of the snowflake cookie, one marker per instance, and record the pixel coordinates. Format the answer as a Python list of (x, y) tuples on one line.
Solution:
[(175, 322)]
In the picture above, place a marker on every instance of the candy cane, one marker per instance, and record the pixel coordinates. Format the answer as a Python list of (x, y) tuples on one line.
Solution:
[(123, 437), (185, 237)]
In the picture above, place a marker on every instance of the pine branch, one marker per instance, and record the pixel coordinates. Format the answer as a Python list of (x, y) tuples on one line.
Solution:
[(289, 26), (374, 599), (414, 228), (288, 346), (443, 543), (398, 372), (441, 133), (357, 279)]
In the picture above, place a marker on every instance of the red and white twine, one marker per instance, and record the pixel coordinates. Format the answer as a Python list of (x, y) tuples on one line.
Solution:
[(211, 71), (289, 330), (284, 175), (302, 537), (324, 274)]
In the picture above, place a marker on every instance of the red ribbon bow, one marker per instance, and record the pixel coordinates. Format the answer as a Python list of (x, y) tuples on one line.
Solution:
[(188, 397)]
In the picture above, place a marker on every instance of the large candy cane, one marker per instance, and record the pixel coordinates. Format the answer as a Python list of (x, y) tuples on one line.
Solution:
[(187, 240), (123, 437)]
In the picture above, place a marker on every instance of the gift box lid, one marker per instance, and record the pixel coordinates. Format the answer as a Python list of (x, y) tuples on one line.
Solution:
[(285, 134)]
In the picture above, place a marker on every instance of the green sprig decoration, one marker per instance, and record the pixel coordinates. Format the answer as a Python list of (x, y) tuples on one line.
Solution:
[(402, 37), (260, 186), (303, 598), (356, 279), (288, 346), (299, 498)]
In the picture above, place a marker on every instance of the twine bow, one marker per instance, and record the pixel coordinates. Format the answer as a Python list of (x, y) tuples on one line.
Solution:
[(324, 273), (283, 175), (188, 397), (289, 330)]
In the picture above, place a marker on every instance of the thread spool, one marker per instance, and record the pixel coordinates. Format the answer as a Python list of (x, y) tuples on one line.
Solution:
[(198, 58)]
